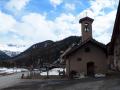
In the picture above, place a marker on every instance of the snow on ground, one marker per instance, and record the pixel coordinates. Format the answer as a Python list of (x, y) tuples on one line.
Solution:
[(54, 71), (100, 75), (4, 70)]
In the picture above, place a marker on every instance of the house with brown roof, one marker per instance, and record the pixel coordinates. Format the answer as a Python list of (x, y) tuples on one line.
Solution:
[(89, 57)]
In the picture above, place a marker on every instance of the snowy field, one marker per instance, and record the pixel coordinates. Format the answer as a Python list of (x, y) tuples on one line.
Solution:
[(54, 71), (6, 71)]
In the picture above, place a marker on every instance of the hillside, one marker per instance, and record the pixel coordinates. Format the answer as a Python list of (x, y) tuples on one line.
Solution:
[(3, 56), (44, 52), (11, 53)]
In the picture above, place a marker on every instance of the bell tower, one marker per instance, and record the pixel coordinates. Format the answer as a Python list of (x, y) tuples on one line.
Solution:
[(86, 27)]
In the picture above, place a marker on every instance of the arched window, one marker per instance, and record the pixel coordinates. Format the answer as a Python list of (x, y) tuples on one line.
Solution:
[(86, 27)]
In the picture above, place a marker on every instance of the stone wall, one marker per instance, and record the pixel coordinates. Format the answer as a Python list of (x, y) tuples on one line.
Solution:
[(78, 60), (117, 53)]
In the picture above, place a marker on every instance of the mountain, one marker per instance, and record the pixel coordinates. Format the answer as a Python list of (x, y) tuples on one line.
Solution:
[(11, 48), (44, 52), (3, 56), (11, 53), (14, 45)]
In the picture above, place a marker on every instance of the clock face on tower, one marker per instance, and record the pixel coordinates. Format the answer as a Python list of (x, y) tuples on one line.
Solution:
[(86, 27)]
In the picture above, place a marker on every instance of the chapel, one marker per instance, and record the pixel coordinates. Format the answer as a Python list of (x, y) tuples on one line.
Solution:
[(88, 57)]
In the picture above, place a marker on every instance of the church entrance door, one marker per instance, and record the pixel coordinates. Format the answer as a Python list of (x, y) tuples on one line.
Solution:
[(90, 69)]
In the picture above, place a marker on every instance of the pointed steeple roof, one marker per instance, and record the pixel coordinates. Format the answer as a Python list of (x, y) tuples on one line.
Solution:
[(86, 18)]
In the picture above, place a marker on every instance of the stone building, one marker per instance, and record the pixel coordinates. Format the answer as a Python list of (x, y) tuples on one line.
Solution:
[(89, 56), (114, 45)]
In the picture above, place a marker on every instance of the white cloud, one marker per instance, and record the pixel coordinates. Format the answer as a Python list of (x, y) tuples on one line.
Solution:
[(98, 6), (12, 48), (35, 27), (104, 38), (103, 26), (69, 6), (55, 3), (7, 22), (103, 21), (16, 5), (38, 27), (66, 25), (44, 29)]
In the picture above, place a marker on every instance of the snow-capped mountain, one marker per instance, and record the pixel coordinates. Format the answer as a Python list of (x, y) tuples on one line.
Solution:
[(12, 47), (3, 56), (11, 53)]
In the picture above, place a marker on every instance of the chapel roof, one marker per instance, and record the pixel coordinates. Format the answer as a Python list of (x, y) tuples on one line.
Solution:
[(76, 47), (86, 18)]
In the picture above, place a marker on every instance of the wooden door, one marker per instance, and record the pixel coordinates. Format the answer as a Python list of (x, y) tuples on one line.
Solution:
[(90, 69)]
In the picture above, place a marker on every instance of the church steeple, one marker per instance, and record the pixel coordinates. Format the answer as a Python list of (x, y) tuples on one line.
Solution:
[(86, 27)]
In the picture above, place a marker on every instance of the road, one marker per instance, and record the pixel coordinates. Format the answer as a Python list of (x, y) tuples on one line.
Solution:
[(10, 80), (13, 82), (87, 84)]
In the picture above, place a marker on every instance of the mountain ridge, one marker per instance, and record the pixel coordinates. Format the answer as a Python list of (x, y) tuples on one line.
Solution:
[(44, 52), (3, 56)]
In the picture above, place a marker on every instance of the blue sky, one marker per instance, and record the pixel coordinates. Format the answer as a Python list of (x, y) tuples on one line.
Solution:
[(26, 22)]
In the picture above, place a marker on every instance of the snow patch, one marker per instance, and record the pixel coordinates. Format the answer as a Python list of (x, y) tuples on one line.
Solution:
[(100, 75), (54, 71), (4, 70)]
